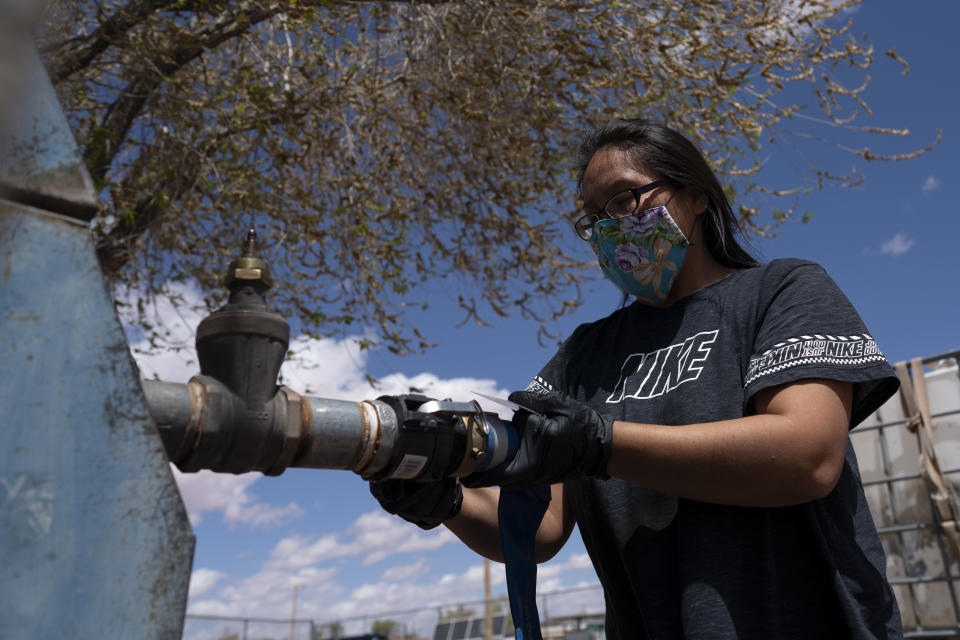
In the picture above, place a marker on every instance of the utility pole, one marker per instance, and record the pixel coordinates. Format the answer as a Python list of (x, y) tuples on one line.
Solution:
[(293, 612), (487, 605)]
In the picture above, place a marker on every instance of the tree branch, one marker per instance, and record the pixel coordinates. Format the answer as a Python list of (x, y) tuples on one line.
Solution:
[(108, 137), (75, 54), (115, 249)]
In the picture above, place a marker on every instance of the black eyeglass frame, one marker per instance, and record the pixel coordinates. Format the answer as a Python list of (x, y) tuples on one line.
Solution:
[(584, 224)]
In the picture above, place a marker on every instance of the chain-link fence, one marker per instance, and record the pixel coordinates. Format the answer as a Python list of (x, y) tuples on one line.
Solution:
[(203, 627), (576, 612)]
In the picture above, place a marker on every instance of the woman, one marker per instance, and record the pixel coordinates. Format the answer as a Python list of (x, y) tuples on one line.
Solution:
[(699, 436)]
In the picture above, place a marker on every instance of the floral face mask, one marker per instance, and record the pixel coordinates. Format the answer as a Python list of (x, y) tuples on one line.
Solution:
[(641, 253)]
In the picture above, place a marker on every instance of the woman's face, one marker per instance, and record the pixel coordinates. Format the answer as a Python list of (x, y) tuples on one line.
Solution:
[(612, 171)]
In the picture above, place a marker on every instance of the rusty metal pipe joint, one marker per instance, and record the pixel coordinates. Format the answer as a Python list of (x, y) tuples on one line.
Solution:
[(204, 425)]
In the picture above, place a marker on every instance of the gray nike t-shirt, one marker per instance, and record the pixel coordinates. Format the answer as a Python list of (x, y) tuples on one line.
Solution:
[(676, 568)]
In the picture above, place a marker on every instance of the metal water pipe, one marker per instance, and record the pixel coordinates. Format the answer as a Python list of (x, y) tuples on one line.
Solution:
[(234, 418)]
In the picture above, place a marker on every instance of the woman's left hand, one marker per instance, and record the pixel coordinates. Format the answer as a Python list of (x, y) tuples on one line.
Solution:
[(568, 441)]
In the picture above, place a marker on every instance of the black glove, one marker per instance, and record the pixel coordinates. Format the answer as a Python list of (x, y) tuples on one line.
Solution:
[(568, 441), (425, 504)]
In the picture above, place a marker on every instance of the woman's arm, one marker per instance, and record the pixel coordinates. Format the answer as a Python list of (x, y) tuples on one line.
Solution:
[(791, 452), (477, 523)]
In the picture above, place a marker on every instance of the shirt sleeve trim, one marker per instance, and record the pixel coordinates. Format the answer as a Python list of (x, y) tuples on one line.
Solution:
[(814, 349)]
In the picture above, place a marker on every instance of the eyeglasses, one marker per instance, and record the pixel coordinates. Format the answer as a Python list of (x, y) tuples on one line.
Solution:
[(620, 205)]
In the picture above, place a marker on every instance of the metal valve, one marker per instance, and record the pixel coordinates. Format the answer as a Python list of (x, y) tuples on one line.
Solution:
[(233, 417)]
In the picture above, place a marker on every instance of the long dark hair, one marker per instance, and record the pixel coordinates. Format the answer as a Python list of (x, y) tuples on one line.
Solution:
[(669, 154)]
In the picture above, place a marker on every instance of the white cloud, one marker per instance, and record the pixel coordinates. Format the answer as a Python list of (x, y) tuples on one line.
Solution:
[(321, 596), (552, 576), (407, 587), (268, 593), (373, 536), (404, 571), (379, 535), (337, 369), (472, 578), (174, 359), (206, 491), (203, 580), (467, 587), (576, 562), (212, 608), (326, 368), (449, 590), (932, 183), (898, 245), (271, 591)]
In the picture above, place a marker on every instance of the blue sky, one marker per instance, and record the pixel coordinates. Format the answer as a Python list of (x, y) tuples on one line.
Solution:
[(891, 244)]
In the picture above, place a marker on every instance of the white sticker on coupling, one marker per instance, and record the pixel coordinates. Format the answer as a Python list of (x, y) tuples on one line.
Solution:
[(409, 467)]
